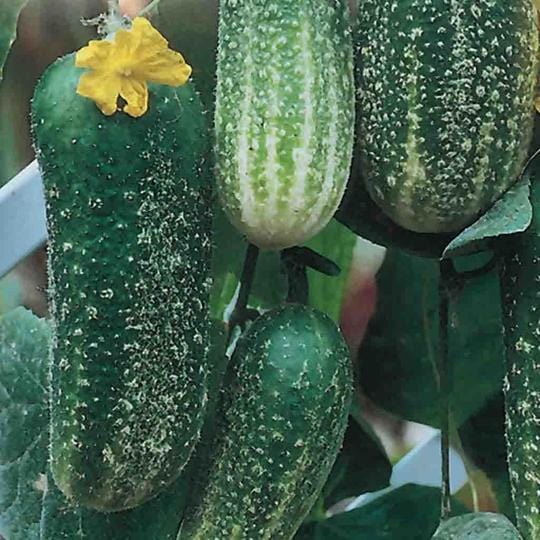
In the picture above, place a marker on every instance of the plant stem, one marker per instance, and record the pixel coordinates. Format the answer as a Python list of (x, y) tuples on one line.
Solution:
[(149, 8), (298, 290), (246, 283), (311, 259), (445, 383), (246, 279), (479, 272)]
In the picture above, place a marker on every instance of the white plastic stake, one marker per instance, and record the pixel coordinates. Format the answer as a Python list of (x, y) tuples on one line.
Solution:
[(22, 217), (422, 465)]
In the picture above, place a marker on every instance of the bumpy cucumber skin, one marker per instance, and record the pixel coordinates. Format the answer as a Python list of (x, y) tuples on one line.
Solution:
[(129, 259), (521, 300), (479, 526), (158, 519), (284, 116), (446, 105), (284, 415)]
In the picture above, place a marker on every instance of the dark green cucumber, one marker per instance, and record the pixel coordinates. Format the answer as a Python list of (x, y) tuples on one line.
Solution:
[(157, 519), (446, 105), (283, 418), (521, 300), (129, 226)]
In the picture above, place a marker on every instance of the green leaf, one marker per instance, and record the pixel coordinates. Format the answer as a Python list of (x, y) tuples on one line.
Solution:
[(398, 356), (362, 465), (335, 242), (24, 345), (360, 214), (408, 513), (227, 260), (482, 438), (9, 14), (480, 526), (158, 519), (511, 214)]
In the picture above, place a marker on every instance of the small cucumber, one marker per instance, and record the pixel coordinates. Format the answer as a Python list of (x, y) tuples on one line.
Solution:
[(446, 94), (284, 116), (129, 224), (283, 419), (521, 300)]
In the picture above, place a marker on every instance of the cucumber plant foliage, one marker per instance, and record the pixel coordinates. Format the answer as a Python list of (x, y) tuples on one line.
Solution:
[(9, 15)]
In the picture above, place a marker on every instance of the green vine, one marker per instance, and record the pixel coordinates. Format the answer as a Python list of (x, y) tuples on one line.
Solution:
[(445, 382), (150, 8), (241, 313)]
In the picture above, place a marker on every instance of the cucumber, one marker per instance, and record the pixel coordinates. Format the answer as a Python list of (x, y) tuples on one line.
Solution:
[(129, 224), (158, 519), (521, 301), (284, 119), (478, 526), (282, 422), (446, 94)]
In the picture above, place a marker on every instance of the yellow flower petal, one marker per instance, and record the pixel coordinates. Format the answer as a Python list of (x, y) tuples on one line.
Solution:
[(136, 95), (142, 28), (156, 62), (125, 46), (169, 67), (94, 55), (103, 88), (123, 66)]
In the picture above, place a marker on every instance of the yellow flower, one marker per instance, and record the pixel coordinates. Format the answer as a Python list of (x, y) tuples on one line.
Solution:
[(124, 65)]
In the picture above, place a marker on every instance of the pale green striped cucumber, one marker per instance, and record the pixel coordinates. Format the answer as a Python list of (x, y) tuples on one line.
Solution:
[(284, 116), (446, 104), (129, 260), (521, 300), (284, 415)]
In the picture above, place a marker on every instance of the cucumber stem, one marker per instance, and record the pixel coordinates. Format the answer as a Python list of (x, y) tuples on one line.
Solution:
[(478, 272), (107, 24), (238, 316), (296, 270), (450, 280), (445, 383), (311, 259)]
